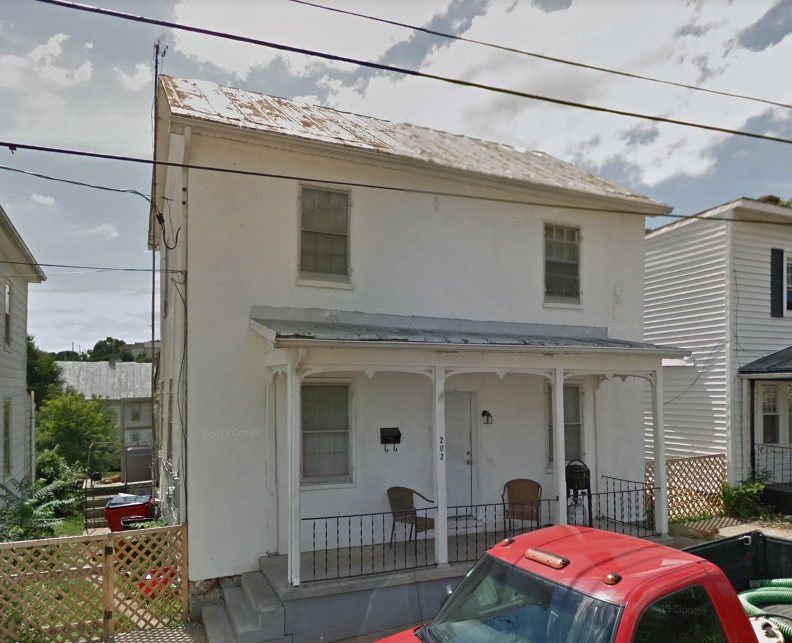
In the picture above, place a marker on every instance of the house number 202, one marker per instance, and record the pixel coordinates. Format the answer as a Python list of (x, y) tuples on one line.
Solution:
[(442, 448)]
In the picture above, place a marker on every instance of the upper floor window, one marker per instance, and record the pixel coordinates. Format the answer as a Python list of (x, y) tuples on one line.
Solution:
[(7, 313), (325, 433), (562, 264), (324, 233)]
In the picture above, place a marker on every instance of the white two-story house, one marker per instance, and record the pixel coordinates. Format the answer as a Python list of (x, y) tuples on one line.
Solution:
[(351, 305), (18, 269), (720, 285)]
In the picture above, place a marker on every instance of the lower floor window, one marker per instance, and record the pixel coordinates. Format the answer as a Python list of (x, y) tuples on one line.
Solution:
[(325, 433), (573, 434)]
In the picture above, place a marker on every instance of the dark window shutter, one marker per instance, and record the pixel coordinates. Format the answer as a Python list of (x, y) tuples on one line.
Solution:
[(776, 282)]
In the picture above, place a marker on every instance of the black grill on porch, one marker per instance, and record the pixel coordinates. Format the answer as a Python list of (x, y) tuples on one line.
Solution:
[(360, 545)]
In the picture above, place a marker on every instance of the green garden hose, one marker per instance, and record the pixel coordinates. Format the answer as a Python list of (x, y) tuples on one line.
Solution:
[(778, 590)]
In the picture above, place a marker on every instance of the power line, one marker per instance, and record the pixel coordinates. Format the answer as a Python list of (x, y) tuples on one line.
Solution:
[(78, 183), (554, 59), (86, 268), (412, 72), (373, 186)]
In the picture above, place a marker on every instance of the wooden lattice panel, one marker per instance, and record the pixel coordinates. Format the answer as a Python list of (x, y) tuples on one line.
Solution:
[(149, 579), (86, 587), (694, 485)]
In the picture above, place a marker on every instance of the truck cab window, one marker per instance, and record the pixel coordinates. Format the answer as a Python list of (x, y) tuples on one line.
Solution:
[(684, 617)]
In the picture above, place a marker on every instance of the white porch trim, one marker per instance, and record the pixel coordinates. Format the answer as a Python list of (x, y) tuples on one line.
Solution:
[(661, 478)]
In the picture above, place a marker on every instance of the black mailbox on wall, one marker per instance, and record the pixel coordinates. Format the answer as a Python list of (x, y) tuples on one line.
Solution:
[(390, 435)]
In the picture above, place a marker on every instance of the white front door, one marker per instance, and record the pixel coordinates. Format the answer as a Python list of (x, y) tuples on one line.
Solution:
[(460, 463)]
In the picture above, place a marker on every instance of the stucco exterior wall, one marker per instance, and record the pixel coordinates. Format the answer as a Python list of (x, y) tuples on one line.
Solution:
[(411, 254)]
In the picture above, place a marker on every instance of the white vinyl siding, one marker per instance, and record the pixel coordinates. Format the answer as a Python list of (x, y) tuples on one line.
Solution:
[(685, 305)]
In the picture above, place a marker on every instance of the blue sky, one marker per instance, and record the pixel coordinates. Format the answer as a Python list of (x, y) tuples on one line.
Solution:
[(70, 79)]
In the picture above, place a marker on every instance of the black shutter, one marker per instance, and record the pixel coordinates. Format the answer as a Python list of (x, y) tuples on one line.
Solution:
[(776, 282)]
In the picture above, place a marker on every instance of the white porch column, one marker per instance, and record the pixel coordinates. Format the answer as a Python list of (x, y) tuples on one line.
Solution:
[(661, 481), (270, 463), (559, 447), (438, 429), (293, 455)]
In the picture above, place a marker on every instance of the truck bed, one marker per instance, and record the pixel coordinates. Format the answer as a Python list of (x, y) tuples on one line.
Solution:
[(752, 556)]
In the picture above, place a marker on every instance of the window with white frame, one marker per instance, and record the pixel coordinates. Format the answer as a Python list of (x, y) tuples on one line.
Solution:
[(573, 424), (562, 264), (771, 429), (7, 313), (324, 233), (325, 433)]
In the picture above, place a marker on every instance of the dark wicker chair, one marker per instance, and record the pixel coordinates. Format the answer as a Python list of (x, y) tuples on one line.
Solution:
[(522, 499), (402, 506)]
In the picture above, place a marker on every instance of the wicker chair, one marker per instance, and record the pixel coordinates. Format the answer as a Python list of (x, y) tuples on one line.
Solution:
[(522, 500), (402, 506)]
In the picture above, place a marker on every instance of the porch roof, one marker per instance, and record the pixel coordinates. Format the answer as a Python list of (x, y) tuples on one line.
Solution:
[(778, 363), (314, 327)]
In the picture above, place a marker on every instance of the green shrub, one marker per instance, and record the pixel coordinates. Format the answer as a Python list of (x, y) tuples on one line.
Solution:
[(52, 467), (30, 510), (745, 500)]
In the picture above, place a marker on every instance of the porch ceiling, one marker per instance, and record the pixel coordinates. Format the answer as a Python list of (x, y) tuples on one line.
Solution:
[(287, 327)]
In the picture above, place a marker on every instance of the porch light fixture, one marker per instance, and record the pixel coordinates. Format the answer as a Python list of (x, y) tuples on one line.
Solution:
[(486, 417)]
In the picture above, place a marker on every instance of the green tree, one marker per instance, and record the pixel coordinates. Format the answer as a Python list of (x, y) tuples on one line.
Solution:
[(70, 356), (44, 376), (110, 348), (73, 424)]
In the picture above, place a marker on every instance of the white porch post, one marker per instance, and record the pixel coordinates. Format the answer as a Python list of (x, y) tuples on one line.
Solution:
[(661, 499), (559, 450), (438, 428), (270, 463), (293, 447)]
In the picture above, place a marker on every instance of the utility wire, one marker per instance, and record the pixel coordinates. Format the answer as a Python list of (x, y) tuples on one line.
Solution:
[(77, 183), (13, 147), (87, 268), (554, 59), (412, 72)]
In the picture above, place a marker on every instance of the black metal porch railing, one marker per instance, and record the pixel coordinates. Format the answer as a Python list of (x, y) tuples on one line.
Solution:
[(621, 506), (366, 544), (472, 529), (774, 461)]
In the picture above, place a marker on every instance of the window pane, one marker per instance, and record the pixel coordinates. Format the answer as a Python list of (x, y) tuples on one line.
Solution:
[(686, 617), (573, 429), (325, 424), (561, 263)]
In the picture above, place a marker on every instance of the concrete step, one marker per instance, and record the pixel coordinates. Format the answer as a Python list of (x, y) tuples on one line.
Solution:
[(265, 603), (244, 620), (216, 625)]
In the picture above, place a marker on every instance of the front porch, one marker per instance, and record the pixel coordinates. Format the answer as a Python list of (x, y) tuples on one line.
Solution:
[(359, 545), (477, 405)]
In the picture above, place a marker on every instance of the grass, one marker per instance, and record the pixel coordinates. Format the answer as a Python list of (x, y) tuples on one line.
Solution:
[(71, 526)]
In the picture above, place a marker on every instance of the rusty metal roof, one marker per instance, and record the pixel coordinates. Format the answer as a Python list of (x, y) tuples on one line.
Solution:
[(307, 326), (113, 381), (248, 110)]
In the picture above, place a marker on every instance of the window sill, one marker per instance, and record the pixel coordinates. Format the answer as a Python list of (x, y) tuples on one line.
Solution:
[(316, 486), (318, 282), (570, 305)]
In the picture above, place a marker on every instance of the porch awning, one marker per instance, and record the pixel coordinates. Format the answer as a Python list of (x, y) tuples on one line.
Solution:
[(776, 364), (286, 327)]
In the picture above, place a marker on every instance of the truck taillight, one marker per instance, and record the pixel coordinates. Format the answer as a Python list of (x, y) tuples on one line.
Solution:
[(547, 558)]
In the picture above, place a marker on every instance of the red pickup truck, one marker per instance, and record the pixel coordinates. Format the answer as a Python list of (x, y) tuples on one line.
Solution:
[(582, 585)]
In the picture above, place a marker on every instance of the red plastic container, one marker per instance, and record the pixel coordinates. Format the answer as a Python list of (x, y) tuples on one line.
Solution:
[(124, 506)]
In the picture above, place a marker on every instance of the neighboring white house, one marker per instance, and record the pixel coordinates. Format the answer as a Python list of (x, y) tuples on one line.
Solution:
[(18, 268), (126, 386), (723, 290), (369, 275)]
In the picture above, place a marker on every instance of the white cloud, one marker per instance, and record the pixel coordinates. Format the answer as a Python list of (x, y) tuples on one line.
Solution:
[(138, 80), (89, 45), (42, 200), (12, 71), (103, 231), (49, 51)]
